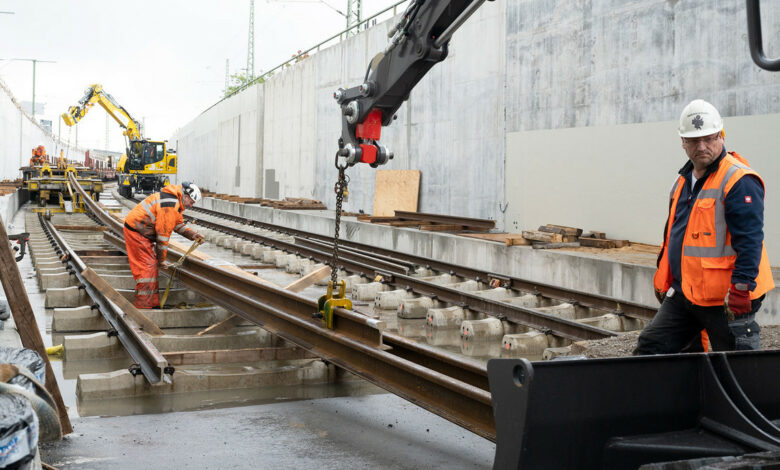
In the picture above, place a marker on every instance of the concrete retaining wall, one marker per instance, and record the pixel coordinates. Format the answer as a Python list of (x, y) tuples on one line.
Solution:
[(545, 112), (19, 134)]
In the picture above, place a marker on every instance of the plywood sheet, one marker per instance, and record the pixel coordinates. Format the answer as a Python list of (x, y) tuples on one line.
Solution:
[(396, 190)]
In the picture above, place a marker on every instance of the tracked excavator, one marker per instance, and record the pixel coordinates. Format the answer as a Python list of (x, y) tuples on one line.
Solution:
[(146, 165), (617, 413)]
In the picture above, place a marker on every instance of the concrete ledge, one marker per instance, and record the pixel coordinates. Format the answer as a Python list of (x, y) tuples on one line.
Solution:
[(101, 346), (123, 384), (575, 270), (75, 297)]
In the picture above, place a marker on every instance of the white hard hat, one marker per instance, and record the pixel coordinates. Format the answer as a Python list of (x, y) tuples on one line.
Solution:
[(191, 190), (699, 118)]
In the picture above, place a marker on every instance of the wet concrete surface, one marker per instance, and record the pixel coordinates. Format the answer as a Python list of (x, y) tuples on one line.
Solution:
[(377, 431)]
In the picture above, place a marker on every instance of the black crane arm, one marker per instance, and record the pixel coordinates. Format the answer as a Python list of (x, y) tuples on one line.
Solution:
[(418, 42)]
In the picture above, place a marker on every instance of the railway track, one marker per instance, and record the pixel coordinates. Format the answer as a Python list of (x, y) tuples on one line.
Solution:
[(406, 281), (422, 308)]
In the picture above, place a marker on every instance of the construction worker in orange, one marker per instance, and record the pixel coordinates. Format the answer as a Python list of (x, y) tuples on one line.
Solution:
[(38, 156), (148, 227)]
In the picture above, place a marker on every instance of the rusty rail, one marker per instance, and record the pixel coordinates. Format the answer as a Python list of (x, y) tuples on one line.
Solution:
[(585, 299), (394, 273), (153, 364), (454, 388)]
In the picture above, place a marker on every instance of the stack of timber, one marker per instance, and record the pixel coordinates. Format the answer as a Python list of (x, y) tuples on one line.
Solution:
[(288, 203), (9, 186), (561, 236), (431, 222)]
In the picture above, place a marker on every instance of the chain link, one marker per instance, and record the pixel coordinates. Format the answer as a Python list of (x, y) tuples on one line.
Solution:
[(341, 185)]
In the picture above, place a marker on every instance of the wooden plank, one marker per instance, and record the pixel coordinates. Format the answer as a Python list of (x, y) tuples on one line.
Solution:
[(603, 243), (396, 190), (24, 317), (550, 246), (221, 326), (309, 279), (515, 240), (594, 234), (222, 356), (562, 229), (296, 286), (85, 228), (493, 237), (125, 305), (543, 236)]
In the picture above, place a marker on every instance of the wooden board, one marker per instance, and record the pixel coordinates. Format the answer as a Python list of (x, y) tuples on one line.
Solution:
[(562, 229), (603, 243), (26, 325), (542, 236), (296, 286), (125, 305), (509, 239), (396, 190)]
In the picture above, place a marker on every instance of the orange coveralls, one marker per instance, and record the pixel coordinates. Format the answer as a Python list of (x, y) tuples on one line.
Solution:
[(148, 228)]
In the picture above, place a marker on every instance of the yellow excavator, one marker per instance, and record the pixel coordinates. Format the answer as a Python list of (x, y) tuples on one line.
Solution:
[(146, 164)]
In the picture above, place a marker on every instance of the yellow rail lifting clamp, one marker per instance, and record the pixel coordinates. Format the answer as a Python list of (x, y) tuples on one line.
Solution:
[(175, 266), (328, 302)]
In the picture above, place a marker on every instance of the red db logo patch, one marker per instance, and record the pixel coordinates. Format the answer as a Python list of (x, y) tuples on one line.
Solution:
[(748, 199)]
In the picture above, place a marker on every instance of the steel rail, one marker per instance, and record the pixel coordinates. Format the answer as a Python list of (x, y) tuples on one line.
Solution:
[(595, 301), (153, 364), (454, 388), (446, 219), (357, 263), (529, 317)]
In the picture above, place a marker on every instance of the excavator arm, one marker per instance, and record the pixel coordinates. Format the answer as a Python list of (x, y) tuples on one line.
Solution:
[(95, 94), (417, 43)]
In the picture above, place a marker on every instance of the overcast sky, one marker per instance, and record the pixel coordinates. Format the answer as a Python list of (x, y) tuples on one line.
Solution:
[(163, 60)]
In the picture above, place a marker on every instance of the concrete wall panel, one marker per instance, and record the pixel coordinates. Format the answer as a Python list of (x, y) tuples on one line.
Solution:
[(616, 179), (19, 134)]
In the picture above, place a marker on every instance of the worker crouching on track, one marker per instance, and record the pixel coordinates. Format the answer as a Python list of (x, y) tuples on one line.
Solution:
[(713, 270), (38, 156), (148, 228)]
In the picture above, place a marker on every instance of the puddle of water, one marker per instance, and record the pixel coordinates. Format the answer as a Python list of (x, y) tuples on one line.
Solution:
[(222, 398)]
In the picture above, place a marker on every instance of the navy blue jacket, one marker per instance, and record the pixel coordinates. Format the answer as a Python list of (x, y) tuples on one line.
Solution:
[(745, 221)]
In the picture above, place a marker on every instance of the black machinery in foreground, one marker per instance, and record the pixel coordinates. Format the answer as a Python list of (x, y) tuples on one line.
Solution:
[(596, 413), (621, 413)]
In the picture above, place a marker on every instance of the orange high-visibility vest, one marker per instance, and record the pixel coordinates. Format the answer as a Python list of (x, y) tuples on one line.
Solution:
[(708, 258), (157, 216)]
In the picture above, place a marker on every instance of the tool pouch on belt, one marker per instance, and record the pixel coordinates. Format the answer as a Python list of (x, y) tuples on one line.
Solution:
[(745, 332)]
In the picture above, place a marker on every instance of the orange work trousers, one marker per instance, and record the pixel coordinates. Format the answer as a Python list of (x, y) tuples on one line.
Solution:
[(143, 265)]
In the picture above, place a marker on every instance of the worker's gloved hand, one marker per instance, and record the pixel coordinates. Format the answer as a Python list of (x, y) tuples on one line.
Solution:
[(660, 296), (738, 300), (162, 265), (199, 238)]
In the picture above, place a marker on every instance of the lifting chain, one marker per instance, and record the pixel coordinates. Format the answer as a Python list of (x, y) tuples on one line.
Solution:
[(340, 188)]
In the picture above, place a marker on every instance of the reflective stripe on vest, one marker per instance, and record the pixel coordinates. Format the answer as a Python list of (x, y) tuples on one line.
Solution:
[(721, 249), (148, 209)]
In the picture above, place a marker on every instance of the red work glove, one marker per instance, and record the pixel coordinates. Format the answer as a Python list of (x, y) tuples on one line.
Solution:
[(738, 300)]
